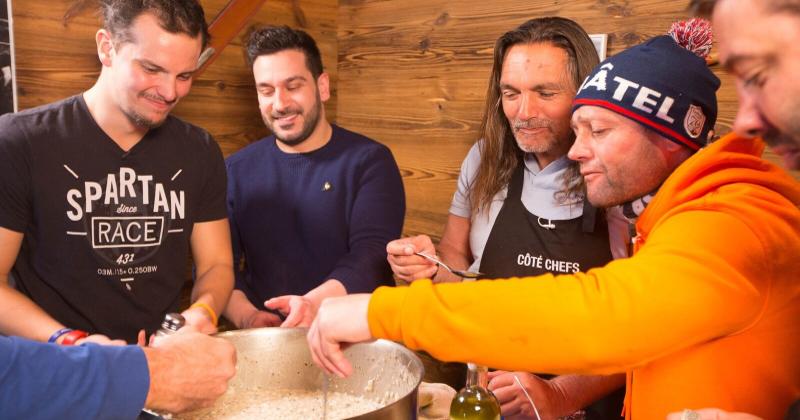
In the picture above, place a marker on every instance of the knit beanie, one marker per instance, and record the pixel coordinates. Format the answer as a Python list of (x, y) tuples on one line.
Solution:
[(663, 84)]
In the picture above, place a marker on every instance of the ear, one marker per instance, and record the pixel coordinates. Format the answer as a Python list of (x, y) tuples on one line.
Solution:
[(324, 86), (105, 46)]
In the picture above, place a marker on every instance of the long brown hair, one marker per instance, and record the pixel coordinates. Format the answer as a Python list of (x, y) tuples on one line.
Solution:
[(500, 154)]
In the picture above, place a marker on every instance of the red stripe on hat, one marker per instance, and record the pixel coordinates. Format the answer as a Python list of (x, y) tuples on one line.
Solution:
[(634, 116)]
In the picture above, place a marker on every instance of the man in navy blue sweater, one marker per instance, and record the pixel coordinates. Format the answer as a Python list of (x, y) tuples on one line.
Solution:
[(311, 207)]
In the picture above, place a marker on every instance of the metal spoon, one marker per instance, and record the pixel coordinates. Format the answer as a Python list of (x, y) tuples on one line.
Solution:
[(460, 273)]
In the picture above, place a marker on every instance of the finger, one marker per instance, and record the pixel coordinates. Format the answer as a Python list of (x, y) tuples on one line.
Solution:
[(416, 271), (95, 338), (430, 273), (265, 319), (280, 303), (314, 345), (293, 319), (510, 409), (502, 380), (339, 362), (333, 357), (399, 247), (412, 261), (506, 393), (495, 373), (141, 338)]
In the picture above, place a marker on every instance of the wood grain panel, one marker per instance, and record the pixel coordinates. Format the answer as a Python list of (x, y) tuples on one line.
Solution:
[(413, 75), (56, 61)]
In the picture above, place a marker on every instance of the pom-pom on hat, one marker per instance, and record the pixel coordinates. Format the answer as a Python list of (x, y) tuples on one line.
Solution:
[(663, 84)]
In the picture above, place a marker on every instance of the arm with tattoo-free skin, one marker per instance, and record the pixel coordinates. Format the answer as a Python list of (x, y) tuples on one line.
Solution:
[(25, 318), (213, 258)]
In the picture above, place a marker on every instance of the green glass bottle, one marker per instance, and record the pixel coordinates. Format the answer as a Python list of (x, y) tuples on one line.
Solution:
[(475, 401)]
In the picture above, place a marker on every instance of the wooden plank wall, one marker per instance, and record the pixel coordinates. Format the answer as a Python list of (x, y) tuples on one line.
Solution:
[(55, 61), (413, 75)]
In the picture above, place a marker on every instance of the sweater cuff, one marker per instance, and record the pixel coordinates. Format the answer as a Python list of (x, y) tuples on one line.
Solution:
[(130, 380), (385, 311)]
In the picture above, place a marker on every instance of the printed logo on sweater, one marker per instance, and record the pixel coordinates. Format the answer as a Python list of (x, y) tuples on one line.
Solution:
[(125, 218)]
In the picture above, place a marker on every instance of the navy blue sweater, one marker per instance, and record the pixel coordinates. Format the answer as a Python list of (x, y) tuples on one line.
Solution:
[(298, 220)]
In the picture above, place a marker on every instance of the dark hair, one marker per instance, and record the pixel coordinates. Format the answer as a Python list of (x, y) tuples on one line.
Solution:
[(500, 154), (704, 8), (175, 16), (268, 40)]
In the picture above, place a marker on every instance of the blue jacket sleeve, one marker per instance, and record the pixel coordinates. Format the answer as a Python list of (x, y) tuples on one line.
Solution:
[(376, 218), (46, 381)]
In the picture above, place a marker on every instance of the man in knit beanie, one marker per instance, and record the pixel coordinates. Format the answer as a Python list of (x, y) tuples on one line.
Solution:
[(659, 90), (705, 313)]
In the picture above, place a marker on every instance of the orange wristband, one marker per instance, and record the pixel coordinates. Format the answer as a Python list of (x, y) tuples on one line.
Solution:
[(209, 310)]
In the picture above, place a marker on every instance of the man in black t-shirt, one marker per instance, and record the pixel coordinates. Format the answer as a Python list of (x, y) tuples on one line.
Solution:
[(103, 194)]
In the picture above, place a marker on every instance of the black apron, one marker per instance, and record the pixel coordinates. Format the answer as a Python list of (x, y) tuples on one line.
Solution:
[(522, 244)]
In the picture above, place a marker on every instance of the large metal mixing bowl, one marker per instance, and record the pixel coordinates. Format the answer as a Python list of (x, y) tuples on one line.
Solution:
[(278, 358)]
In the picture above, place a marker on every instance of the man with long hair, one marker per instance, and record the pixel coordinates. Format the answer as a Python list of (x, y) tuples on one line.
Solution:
[(519, 209)]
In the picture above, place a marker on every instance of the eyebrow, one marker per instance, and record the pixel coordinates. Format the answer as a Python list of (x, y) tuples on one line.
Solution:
[(737, 59), (294, 78), (541, 86), (289, 80), (149, 63)]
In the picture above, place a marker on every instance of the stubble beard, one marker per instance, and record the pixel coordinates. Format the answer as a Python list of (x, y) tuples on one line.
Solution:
[(310, 122)]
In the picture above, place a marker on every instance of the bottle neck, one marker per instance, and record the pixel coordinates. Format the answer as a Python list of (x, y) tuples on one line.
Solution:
[(477, 376)]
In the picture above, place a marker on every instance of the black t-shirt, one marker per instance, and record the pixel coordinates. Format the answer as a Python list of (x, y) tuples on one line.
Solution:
[(106, 232)]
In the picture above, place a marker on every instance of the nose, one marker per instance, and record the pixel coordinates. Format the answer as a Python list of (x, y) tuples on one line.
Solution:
[(749, 121), (528, 106), (168, 89), (281, 100), (580, 151)]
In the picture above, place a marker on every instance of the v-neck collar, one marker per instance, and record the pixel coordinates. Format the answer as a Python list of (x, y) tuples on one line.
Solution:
[(107, 142)]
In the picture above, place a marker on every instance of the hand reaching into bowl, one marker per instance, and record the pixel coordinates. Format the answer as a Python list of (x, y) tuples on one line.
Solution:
[(340, 321)]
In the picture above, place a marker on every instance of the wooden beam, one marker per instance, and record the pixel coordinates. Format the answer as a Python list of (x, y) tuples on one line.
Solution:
[(228, 23)]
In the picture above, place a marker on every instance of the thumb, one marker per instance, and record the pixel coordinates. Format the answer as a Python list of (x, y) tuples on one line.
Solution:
[(141, 339)]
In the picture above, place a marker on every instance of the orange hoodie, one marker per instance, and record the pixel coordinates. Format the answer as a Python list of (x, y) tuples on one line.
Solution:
[(705, 314)]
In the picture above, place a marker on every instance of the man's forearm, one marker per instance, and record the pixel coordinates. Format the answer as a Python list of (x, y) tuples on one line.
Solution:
[(23, 317), (214, 287), (330, 288)]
